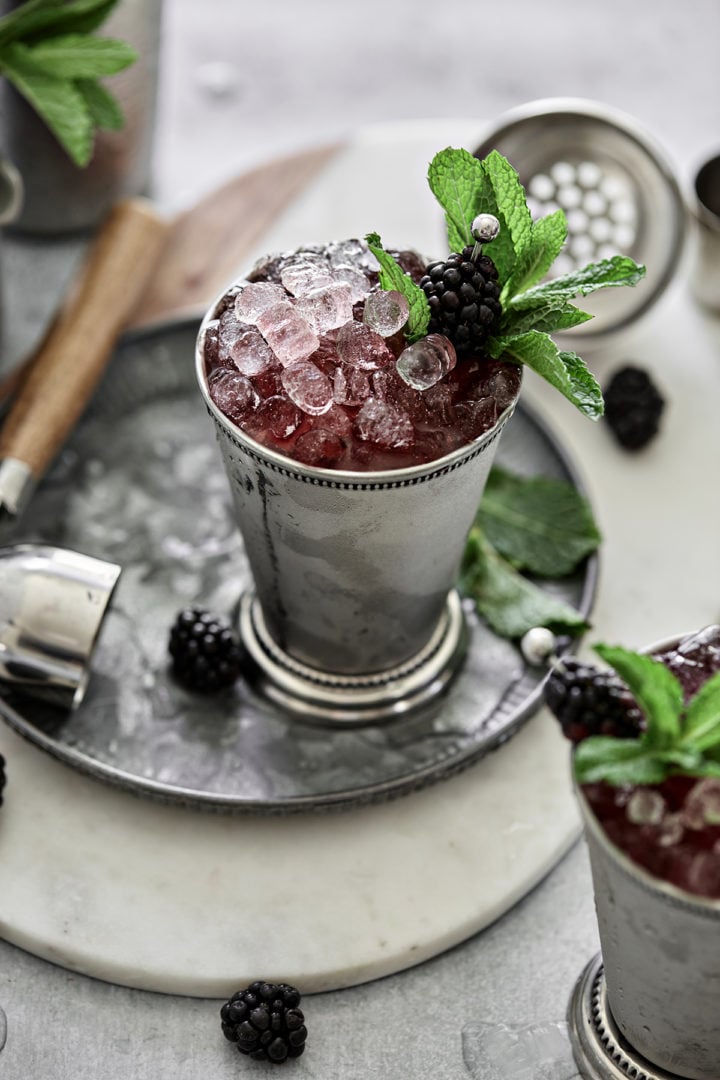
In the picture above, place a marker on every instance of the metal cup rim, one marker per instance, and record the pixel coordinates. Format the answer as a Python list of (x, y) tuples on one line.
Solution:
[(335, 477)]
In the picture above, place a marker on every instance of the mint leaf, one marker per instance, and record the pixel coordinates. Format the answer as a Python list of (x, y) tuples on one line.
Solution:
[(547, 317), (538, 524), (617, 761), (701, 729), (503, 195), (563, 370), (38, 19), (57, 101), (510, 603), (609, 273), (394, 278), (74, 56), (104, 110), (547, 237), (657, 691), (456, 180)]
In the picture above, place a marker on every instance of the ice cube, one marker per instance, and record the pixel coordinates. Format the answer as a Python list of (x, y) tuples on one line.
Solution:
[(246, 349), (335, 420), (473, 418), (308, 387), (352, 253), (359, 346), (303, 276), (327, 308), (498, 1051), (351, 386), (233, 394), (383, 424), (386, 312), (355, 279), (702, 804), (278, 415), (211, 344), (703, 874), (255, 298), (289, 336), (427, 361), (319, 447), (645, 807)]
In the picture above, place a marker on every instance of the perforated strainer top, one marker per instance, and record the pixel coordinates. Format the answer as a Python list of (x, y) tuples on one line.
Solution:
[(618, 192)]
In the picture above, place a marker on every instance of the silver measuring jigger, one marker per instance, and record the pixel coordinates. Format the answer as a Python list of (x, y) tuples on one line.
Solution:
[(52, 604), (354, 616)]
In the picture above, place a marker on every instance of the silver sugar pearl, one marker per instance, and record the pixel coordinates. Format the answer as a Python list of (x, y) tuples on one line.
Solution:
[(485, 227), (537, 645)]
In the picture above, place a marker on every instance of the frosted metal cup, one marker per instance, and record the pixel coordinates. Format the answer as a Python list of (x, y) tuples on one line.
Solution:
[(706, 206), (661, 955), (354, 617)]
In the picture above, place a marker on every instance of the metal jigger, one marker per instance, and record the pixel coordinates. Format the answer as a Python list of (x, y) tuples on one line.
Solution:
[(52, 604)]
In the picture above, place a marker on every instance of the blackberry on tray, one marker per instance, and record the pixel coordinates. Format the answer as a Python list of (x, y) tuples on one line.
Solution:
[(265, 1022), (633, 407), (588, 701), (205, 652)]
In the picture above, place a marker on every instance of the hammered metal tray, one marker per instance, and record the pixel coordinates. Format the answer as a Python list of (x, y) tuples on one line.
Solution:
[(141, 484)]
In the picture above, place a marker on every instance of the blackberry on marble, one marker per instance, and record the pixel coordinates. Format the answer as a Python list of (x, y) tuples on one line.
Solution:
[(205, 652), (633, 407), (265, 1022), (588, 701)]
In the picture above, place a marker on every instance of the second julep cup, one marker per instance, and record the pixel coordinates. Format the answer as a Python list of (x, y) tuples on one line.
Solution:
[(354, 616)]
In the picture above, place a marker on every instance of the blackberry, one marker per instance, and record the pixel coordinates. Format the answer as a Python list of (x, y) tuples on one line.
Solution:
[(3, 778), (588, 701), (633, 407), (205, 652), (463, 298), (265, 1021)]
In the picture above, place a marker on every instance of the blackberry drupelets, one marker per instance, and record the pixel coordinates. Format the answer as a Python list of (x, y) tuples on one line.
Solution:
[(265, 1022), (633, 407), (205, 652), (464, 299), (588, 701)]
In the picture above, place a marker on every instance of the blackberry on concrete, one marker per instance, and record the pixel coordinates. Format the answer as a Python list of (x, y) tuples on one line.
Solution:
[(205, 652), (464, 299), (3, 778), (588, 701), (633, 407), (265, 1022)]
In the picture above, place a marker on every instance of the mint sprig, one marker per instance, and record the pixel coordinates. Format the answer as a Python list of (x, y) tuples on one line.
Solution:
[(49, 54), (537, 525), (679, 738), (394, 279)]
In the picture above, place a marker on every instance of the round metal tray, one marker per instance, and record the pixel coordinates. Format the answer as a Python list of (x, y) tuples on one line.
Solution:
[(141, 483)]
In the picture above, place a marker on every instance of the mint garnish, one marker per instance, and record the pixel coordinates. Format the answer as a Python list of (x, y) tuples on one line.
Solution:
[(510, 603), (394, 279), (523, 253), (538, 524), (565, 371), (678, 739), (49, 54)]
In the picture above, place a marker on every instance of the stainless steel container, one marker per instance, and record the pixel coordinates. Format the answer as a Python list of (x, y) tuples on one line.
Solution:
[(661, 954), (355, 617), (52, 605), (706, 210), (59, 196)]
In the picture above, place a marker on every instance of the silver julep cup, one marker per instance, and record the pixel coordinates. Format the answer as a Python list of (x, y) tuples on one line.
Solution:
[(354, 617), (661, 955), (705, 278), (60, 197)]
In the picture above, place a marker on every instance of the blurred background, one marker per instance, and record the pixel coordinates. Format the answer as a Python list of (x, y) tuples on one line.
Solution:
[(243, 81)]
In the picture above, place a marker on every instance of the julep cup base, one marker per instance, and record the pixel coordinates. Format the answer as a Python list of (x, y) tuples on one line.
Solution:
[(330, 699)]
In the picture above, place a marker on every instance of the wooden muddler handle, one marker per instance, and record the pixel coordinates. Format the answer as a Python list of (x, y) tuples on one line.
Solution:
[(73, 356)]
